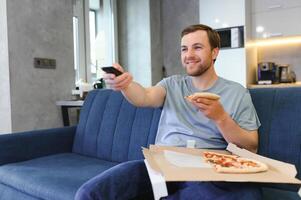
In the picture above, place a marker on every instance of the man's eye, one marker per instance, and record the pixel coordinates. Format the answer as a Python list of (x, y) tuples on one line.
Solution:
[(198, 47), (183, 49)]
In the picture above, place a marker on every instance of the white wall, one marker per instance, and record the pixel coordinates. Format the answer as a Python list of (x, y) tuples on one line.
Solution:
[(231, 64), (5, 108)]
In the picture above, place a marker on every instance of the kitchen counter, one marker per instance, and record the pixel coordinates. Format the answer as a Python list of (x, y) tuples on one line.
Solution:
[(70, 103), (279, 85)]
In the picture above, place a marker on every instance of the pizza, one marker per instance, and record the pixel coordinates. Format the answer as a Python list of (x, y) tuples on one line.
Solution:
[(224, 163), (206, 95)]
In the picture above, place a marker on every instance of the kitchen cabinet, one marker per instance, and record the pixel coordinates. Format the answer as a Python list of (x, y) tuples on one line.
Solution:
[(221, 14), (236, 64), (271, 5), (275, 18)]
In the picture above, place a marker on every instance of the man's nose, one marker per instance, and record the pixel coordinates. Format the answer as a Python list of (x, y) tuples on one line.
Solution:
[(190, 53)]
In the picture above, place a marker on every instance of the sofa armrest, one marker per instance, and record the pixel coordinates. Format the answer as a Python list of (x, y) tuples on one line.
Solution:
[(127, 180), (27, 145)]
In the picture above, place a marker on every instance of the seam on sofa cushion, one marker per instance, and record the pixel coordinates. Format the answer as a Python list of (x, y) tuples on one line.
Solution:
[(100, 124), (82, 135), (128, 149), (123, 131), (114, 132)]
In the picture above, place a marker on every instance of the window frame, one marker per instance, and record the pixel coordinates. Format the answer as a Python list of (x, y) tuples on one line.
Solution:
[(81, 11)]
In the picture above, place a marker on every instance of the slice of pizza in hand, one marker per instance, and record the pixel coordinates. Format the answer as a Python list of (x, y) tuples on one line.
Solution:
[(224, 163), (207, 95)]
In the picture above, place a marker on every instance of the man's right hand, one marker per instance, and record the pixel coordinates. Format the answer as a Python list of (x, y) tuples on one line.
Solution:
[(120, 82), (134, 92)]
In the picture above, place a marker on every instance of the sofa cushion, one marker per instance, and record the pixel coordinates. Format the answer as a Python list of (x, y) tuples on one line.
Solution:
[(7, 192), (53, 177), (280, 133), (276, 194), (106, 133), (285, 133), (263, 100)]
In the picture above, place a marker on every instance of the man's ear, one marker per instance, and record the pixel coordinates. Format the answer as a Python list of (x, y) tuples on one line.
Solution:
[(215, 52)]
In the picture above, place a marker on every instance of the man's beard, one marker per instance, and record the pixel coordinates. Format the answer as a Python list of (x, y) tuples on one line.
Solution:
[(200, 70)]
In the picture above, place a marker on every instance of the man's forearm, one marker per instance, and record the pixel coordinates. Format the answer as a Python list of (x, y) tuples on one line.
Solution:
[(135, 94), (233, 133)]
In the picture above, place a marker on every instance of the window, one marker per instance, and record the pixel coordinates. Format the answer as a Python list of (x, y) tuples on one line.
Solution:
[(76, 47), (92, 29), (94, 34)]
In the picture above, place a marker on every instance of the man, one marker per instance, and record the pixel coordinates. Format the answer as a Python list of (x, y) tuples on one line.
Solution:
[(209, 123)]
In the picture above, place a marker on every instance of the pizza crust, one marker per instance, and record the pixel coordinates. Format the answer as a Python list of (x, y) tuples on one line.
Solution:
[(206, 95)]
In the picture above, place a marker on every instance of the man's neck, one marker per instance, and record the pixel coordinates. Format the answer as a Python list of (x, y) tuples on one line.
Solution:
[(206, 80)]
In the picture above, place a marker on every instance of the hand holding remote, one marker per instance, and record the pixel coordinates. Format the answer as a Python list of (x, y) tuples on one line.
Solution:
[(111, 70), (116, 78)]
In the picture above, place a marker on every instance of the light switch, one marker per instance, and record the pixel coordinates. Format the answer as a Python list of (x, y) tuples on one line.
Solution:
[(44, 63)]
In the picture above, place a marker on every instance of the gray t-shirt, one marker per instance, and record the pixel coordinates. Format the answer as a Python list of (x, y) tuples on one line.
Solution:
[(181, 121)]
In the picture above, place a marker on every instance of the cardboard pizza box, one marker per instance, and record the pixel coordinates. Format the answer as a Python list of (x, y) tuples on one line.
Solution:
[(185, 164)]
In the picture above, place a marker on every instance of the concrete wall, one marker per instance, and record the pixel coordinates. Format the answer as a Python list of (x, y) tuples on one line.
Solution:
[(5, 108), (176, 15), (156, 41), (39, 29), (153, 39), (134, 39), (140, 39)]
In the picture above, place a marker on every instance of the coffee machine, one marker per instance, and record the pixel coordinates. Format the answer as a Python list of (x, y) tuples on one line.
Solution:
[(267, 73)]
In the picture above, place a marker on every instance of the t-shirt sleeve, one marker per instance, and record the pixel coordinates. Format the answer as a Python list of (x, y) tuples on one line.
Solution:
[(163, 83), (246, 115)]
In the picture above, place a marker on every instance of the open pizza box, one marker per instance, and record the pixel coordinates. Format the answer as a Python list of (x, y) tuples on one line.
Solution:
[(166, 164)]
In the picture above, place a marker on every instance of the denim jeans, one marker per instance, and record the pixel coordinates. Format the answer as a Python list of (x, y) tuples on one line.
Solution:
[(213, 191)]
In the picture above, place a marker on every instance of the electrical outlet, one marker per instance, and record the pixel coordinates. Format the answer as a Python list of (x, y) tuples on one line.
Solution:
[(44, 63)]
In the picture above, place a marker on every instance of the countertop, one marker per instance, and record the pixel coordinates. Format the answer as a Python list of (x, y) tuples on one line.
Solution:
[(70, 103), (279, 85)]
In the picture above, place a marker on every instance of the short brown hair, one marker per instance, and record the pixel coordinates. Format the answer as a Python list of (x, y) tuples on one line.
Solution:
[(213, 36)]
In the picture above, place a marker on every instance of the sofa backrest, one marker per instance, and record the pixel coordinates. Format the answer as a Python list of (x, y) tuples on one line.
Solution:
[(279, 110), (105, 132)]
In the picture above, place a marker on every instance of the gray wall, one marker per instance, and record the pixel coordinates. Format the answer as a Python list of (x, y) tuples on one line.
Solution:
[(39, 29), (146, 46), (176, 15), (156, 41), (134, 39)]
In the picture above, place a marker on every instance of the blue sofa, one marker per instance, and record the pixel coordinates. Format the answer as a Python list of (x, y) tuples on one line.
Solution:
[(101, 157)]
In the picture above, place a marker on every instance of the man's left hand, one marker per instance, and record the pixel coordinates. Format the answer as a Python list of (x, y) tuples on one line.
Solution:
[(211, 108)]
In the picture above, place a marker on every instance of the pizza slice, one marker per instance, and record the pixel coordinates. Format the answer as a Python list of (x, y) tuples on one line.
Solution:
[(206, 95), (224, 163)]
